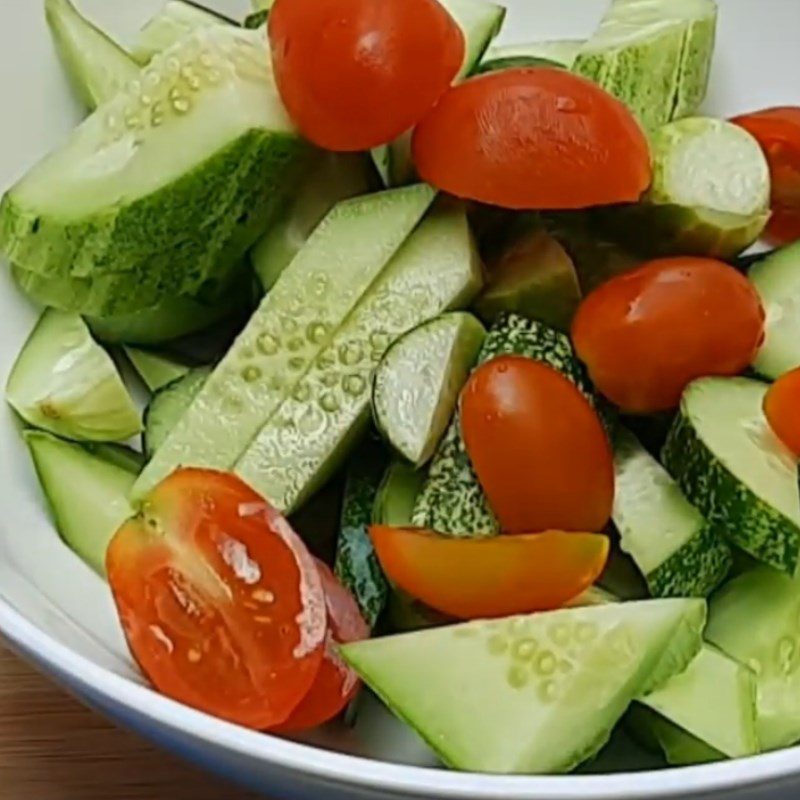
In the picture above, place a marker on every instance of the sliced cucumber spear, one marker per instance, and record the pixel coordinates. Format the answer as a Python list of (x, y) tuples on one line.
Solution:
[(709, 197), (155, 369), (65, 383), (735, 471), (419, 379), (97, 67), (87, 494), (538, 54), (657, 733)]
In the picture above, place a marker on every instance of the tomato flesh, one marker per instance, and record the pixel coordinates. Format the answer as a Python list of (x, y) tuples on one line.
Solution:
[(221, 603), (494, 577), (646, 335), (336, 683), (533, 139), (782, 408), (355, 74), (538, 448)]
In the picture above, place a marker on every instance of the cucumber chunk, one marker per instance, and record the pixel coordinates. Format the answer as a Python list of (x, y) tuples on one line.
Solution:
[(777, 279), (65, 383), (117, 454), (156, 369), (161, 198), (536, 694), (298, 448), (653, 55), (560, 53), (709, 197), (97, 67), (88, 495), (678, 551), (167, 407), (399, 489), (735, 471), (292, 327), (333, 177), (418, 382), (659, 734), (452, 501)]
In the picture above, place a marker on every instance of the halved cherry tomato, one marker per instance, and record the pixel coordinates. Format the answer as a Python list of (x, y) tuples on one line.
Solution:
[(336, 684), (647, 334), (533, 138), (495, 577), (782, 407), (221, 603), (778, 133), (355, 74), (538, 448)]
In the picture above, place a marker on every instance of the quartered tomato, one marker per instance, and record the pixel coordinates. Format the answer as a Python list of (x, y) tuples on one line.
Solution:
[(494, 577), (538, 448), (647, 334), (778, 133), (355, 74), (533, 139), (222, 605), (336, 684), (782, 407)]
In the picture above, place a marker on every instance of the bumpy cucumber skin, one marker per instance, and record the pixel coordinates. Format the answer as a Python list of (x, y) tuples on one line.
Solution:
[(746, 519), (452, 501)]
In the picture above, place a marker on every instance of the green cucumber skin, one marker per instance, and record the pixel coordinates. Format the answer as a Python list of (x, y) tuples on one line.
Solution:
[(746, 519)]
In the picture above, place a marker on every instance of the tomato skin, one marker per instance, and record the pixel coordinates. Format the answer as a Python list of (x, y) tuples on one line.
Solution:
[(782, 408), (221, 603), (495, 577), (336, 683), (538, 448), (533, 139), (355, 74), (647, 334), (778, 132)]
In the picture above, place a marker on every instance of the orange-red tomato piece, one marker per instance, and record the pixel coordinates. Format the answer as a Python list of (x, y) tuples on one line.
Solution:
[(533, 139), (355, 74), (782, 407), (538, 448), (645, 335), (494, 577), (221, 603), (336, 683)]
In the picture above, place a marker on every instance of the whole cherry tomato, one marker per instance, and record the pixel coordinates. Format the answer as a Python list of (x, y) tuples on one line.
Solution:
[(538, 448), (782, 407), (647, 334), (355, 74), (221, 603), (533, 138)]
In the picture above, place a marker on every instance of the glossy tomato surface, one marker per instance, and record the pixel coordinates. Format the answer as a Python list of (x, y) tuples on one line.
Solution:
[(782, 407)]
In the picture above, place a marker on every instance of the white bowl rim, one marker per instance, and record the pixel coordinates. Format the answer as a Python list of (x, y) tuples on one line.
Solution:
[(344, 770)]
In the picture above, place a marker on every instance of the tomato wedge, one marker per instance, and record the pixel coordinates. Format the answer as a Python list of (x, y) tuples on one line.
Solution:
[(782, 408), (533, 139), (336, 684), (495, 577), (778, 132), (221, 603)]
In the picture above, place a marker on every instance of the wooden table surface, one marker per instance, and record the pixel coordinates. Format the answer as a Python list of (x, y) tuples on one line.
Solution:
[(52, 748)]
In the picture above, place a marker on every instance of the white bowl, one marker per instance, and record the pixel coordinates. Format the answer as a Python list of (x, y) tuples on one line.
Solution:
[(56, 613)]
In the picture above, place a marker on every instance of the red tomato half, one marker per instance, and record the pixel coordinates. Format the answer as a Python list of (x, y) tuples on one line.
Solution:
[(355, 74), (336, 684), (778, 133), (649, 333), (533, 139), (782, 407), (220, 601), (538, 448)]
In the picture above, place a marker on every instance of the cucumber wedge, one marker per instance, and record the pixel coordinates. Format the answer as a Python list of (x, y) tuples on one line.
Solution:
[(536, 694), (679, 553), (292, 327), (156, 369), (117, 454), (659, 734), (561, 53), (735, 471), (777, 279), (452, 501), (709, 197), (97, 67), (418, 382), (88, 495), (313, 431), (399, 489), (65, 383)]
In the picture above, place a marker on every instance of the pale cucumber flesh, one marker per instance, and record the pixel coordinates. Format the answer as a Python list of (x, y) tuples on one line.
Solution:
[(154, 368)]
